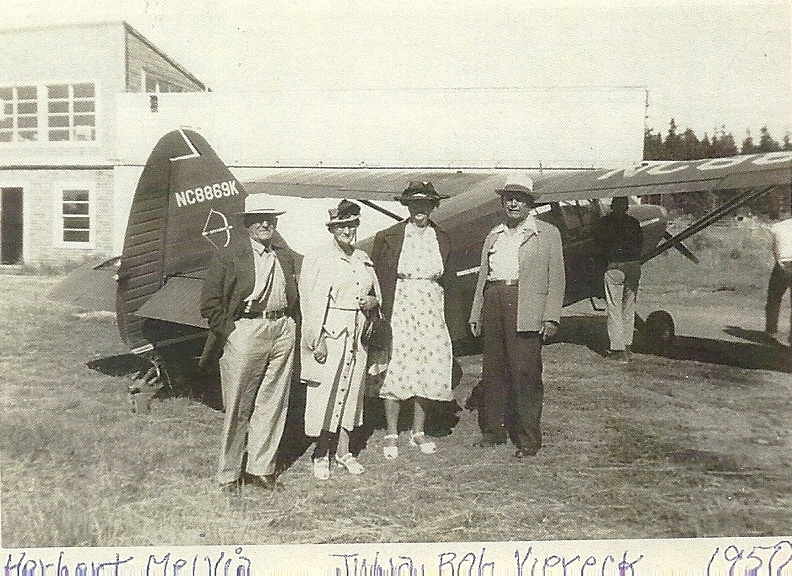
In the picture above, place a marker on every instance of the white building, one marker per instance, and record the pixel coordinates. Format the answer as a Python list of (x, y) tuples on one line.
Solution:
[(59, 135)]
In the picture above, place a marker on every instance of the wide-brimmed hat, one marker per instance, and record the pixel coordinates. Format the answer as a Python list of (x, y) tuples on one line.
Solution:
[(345, 213), (253, 208), (417, 190), (518, 184)]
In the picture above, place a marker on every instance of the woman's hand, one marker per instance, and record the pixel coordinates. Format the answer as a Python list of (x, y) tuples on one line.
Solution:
[(320, 351), (367, 303)]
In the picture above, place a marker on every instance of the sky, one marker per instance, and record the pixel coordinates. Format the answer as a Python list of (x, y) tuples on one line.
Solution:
[(706, 64)]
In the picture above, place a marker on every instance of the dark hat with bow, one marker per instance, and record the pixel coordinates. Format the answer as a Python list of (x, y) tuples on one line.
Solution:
[(417, 190), (345, 213)]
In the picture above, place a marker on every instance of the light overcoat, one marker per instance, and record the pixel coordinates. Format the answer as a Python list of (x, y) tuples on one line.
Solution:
[(330, 283), (541, 281)]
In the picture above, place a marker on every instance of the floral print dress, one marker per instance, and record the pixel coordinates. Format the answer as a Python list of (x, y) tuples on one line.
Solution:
[(421, 355)]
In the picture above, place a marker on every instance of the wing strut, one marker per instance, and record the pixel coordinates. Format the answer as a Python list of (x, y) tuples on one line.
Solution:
[(380, 209), (708, 219)]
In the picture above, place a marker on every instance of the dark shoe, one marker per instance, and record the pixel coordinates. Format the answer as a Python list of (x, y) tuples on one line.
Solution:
[(268, 482), (524, 453), (232, 489), (617, 355)]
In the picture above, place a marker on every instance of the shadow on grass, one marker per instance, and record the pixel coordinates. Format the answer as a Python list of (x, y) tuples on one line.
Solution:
[(738, 354), (754, 354), (584, 330)]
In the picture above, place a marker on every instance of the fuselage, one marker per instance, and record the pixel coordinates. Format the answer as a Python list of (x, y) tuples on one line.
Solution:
[(575, 221)]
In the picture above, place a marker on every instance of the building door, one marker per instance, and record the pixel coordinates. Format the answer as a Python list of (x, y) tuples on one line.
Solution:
[(10, 225)]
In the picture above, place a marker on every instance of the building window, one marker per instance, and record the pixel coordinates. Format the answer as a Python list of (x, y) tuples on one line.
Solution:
[(76, 215), (71, 112), (156, 85), (18, 114)]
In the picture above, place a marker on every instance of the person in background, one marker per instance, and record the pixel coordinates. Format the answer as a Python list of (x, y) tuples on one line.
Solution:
[(620, 240), (516, 307), (780, 277), (249, 298), (338, 290), (411, 261)]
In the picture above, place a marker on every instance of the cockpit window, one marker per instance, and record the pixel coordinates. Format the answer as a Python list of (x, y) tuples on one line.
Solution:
[(579, 213)]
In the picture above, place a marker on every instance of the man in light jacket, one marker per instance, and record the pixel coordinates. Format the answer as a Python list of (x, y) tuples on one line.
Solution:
[(517, 307)]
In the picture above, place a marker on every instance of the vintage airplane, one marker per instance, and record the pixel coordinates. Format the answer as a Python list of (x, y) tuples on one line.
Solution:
[(184, 206)]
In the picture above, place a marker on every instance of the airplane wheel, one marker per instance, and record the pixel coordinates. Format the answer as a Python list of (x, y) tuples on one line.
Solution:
[(658, 332)]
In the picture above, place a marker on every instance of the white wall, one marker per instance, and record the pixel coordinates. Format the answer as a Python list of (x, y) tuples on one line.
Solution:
[(485, 128)]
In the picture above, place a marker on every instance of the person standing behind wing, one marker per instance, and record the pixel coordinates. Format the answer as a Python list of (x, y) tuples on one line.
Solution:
[(411, 261), (780, 277), (516, 306), (620, 240), (338, 289)]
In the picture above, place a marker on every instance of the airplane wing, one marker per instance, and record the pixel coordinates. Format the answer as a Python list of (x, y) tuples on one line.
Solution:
[(671, 177), (91, 287), (363, 183), (646, 178), (178, 301)]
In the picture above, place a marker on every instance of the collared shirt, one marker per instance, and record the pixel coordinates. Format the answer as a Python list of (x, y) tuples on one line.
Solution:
[(269, 291), (504, 256), (782, 241), (420, 254)]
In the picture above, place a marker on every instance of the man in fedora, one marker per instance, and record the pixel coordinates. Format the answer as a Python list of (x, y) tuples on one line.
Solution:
[(249, 298), (517, 307)]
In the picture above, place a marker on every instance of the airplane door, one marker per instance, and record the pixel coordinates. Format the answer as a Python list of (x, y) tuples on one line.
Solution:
[(576, 221), (11, 226)]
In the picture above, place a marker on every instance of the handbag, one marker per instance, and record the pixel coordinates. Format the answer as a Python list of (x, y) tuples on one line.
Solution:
[(376, 332)]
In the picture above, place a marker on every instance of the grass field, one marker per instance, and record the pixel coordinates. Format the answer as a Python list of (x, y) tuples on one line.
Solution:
[(661, 448)]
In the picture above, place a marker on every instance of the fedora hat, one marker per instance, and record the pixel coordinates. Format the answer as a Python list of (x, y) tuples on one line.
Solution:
[(518, 184), (345, 213), (417, 190), (252, 208)]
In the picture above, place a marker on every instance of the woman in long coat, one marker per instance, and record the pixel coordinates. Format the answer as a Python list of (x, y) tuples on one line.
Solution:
[(411, 261), (338, 288)]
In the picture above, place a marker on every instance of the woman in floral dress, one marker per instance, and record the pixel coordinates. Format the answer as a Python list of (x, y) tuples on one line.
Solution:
[(411, 261)]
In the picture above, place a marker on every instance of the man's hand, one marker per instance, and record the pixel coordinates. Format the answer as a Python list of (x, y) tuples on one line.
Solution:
[(548, 330), (320, 352), (475, 329)]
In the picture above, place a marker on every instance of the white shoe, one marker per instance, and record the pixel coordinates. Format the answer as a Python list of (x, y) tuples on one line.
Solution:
[(391, 452), (321, 468), (426, 446), (349, 462)]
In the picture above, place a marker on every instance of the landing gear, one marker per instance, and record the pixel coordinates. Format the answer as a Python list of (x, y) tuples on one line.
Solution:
[(656, 333), (173, 371)]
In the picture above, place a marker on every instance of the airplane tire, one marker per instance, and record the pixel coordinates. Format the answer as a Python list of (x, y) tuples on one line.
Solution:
[(658, 332)]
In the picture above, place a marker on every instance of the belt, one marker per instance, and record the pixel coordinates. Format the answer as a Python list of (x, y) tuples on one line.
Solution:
[(405, 277), (269, 314), (503, 282)]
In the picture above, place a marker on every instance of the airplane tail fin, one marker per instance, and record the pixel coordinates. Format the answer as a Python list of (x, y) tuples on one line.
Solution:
[(183, 210)]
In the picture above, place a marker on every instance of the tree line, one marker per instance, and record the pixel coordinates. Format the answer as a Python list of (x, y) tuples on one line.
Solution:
[(687, 146)]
